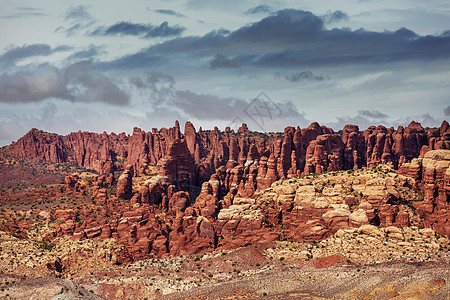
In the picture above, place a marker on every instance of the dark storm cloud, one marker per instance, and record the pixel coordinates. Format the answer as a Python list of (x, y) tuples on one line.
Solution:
[(292, 38), (77, 83), (169, 12), (221, 61), (11, 56), (259, 9), (301, 76), (373, 114), (447, 111), (335, 16), (142, 30)]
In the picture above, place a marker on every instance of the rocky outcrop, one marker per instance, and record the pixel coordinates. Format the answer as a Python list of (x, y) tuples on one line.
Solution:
[(432, 171), (71, 182), (325, 153), (313, 207), (125, 183), (42, 145), (178, 166)]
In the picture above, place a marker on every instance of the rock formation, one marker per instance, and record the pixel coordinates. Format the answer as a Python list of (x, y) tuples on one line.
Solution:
[(124, 184), (314, 149), (216, 190), (432, 172)]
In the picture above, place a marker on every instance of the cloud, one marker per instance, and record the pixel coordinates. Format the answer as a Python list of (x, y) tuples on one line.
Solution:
[(22, 12), (301, 76), (11, 56), (33, 85), (77, 83), (221, 61), (294, 38), (90, 52), (169, 12), (142, 30), (259, 9), (155, 81), (13, 125), (336, 16), (261, 115), (78, 13), (286, 26), (207, 107), (447, 111), (90, 86), (373, 114), (79, 19), (161, 85)]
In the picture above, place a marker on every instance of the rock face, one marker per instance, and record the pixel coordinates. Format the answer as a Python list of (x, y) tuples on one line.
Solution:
[(178, 166), (124, 184), (433, 173)]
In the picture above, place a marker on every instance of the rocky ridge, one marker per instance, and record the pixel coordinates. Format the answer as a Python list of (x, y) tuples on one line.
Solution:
[(297, 151)]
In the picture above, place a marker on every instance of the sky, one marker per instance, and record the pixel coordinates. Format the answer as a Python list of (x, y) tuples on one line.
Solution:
[(114, 65)]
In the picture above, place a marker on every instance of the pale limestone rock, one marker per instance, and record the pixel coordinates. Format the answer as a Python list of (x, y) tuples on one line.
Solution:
[(358, 218), (427, 232), (370, 230), (285, 189), (340, 233)]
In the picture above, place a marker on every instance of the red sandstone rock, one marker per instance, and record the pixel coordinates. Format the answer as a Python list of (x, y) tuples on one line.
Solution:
[(230, 167), (71, 181), (324, 154), (243, 129), (179, 201), (124, 184), (179, 165), (433, 170)]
